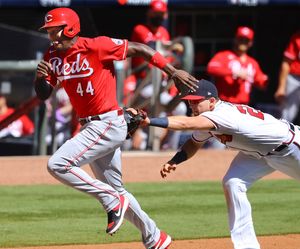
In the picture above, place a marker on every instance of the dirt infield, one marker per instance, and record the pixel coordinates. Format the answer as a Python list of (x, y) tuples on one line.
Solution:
[(144, 167)]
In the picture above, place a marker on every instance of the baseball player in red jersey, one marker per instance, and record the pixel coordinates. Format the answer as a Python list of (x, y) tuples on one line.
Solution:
[(288, 91), (235, 72), (149, 33), (265, 144), (84, 67)]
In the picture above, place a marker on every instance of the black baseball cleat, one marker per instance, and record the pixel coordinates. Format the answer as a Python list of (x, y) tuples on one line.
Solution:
[(115, 217)]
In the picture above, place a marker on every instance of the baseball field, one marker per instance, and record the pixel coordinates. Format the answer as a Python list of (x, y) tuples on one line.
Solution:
[(39, 212)]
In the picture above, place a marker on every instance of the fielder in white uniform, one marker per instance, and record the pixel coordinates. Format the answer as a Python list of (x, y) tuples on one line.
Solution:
[(265, 143)]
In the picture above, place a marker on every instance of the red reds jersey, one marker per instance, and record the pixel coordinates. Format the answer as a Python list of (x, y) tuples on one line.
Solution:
[(232, 89), (292, 52), (86, 71), (142, 33)]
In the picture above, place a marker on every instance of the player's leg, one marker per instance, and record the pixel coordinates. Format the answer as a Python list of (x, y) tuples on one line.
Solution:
[(109, 170), (243, 172), (291, 105), (96, 140)]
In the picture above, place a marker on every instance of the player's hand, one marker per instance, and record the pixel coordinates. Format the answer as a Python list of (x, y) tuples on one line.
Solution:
[(132, 110), (242, 74), (167, 168), (43, 69), (145, 122), (177, 47), (182, 77), (280, 95)]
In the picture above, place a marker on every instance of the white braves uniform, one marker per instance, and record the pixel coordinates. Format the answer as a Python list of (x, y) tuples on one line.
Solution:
[(266, 144)]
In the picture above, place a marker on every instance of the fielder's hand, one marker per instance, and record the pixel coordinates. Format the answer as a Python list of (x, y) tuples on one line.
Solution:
[(167, 168), (43, 69)]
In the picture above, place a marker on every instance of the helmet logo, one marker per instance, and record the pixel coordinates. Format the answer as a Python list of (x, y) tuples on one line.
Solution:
[(48, 18)]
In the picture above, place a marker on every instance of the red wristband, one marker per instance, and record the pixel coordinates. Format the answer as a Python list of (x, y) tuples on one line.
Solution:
[(158, 60)]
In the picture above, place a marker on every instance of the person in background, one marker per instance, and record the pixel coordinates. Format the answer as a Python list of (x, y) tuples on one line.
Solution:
[(149, 33), (235, 72), (20, 127), (62, 115), (288, 91)]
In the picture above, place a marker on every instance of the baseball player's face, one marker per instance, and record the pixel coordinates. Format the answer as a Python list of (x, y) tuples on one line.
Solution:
[(55, 35), (199, 106), (156, 18), (243, 44)]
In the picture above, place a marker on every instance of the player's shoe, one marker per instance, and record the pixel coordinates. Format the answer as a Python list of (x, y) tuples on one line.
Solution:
[(163, 242), (115, 217)]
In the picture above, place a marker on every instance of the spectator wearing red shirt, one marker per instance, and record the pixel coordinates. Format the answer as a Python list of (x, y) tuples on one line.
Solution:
[(288, 91), (149, 33), (20, 127), (235, 72)]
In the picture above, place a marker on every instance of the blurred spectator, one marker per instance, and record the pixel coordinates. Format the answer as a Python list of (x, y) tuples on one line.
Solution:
[(235, 72), (149, 33), (288, 91), (63, 117), (20, 127)]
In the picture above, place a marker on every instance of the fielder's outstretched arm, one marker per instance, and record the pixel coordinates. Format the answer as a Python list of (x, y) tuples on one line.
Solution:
[(187, 151), (136, 49), (180, 123)]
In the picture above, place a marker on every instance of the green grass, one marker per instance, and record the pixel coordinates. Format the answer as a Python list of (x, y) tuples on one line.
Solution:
[(49, 215)]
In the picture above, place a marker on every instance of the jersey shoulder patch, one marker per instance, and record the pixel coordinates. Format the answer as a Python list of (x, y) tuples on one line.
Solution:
[(117, 41)]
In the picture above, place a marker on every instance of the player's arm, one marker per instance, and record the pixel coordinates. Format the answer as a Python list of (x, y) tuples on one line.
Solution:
[(187, 151), (217, 66), (182, 77), (260, 78), (180, 123), (284, 71), (42, 88)]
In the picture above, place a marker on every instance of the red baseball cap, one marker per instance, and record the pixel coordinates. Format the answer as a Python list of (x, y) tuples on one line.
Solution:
[(206, 89), (245, 32), (158, 6)]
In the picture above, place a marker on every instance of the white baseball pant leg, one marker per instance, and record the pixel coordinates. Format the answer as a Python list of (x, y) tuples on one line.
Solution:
[(290, 107), (108, 169), (243, 172), (96, 139)]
